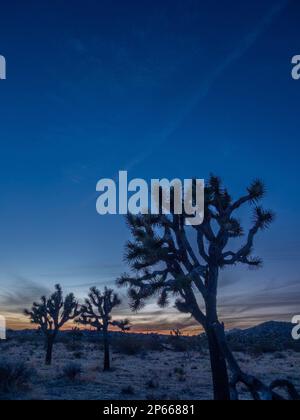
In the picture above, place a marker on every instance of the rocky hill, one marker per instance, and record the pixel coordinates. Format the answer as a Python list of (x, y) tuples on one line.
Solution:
[(267, 337)]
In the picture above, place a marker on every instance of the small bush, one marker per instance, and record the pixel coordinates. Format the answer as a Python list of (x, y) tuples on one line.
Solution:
[(152, 343), (128, 345), (179, 371), (72, 346), (78, 355), (71, 339), (128, 390), (131, 345), (151, 397), (27, 337), (13, 376), (179, 344), (152, 384), (280, 356), (72, 371)]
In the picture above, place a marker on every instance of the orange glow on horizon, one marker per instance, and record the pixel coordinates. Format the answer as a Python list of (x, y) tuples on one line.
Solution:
[(20, 324), (15, 322)]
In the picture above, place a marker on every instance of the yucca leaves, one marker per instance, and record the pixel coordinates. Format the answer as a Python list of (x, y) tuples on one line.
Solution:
[(256, 190), (263, 218)]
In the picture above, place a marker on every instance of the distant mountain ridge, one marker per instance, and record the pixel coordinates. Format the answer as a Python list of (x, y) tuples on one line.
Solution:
[(269, 336)]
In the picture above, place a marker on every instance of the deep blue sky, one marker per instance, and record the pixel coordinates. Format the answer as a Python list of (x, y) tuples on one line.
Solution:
[(163, 88)]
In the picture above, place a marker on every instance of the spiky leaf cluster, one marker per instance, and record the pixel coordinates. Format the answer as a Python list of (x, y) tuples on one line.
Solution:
[(52, 313), (97, 309)]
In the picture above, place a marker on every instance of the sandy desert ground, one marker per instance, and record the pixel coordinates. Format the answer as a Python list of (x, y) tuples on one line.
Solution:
[(151, 375)]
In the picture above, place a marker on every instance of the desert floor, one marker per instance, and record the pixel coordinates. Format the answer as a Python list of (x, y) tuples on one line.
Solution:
[(151, 376)]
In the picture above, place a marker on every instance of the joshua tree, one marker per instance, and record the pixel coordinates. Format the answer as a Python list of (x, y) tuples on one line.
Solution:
[(96, 312), (165, 263), (51, 315), (176, 333)]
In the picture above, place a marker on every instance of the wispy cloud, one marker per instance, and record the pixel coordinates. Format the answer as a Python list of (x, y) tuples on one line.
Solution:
[(22, 293), (238, 309)]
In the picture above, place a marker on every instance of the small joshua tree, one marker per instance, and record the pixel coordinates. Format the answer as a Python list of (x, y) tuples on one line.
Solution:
[(166, 263), (96, 312), (176, 333), (51, 315)]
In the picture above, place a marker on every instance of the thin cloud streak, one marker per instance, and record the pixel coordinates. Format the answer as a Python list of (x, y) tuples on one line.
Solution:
[(25, 291), (204, 89)]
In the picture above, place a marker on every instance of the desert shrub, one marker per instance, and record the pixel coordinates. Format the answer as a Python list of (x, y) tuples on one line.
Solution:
[(151, 397), (179, 344), (128, 390), (27, 337), (62, 337), (72, 340), (152, 343), (93, 337), (280, 356), (72, 371), (5, 346), (73, 346), (130, 344), (76, 334), (195, 344), (78, 354), (152, 384), (179, 371), (127, 344), (13, 376)]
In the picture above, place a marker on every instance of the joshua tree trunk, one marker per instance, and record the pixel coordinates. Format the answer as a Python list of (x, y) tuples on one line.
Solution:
[(217, 358), (218, 368), (106, 350), (49, 349)]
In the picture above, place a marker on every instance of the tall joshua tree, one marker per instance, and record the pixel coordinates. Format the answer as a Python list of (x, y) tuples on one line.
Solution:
[(165, 263), (96, 312), (51, 315)]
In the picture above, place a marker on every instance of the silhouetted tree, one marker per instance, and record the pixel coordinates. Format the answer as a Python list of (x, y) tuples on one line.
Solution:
[(96, 312), (176, 333), (166, 263), (51, 315)]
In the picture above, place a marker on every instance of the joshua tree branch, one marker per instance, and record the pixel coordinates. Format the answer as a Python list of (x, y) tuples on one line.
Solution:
[(201, 247)]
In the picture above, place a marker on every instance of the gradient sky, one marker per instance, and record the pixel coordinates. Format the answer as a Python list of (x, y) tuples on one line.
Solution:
[(162, 88)]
